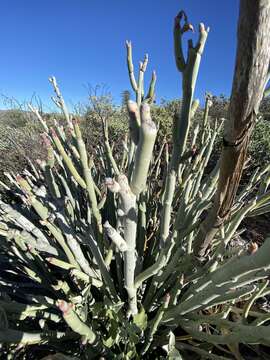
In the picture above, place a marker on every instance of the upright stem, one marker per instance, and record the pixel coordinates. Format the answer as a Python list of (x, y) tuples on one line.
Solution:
[(189, 72), (129, 207)]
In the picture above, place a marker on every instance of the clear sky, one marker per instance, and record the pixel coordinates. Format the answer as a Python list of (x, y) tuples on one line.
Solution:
[(83, 41)]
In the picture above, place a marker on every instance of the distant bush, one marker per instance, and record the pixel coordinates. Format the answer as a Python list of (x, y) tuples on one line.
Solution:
[(19, 140), (259, 148), (20, 131)]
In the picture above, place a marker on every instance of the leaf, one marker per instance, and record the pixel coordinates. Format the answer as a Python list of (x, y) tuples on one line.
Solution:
[(174, 355), (111, 314), (172, 352), (118, 306), (171, 340), (109, 342), (142, 207), (97, 309), (129, 332), (131, 354), (114, 334), (140, 319)]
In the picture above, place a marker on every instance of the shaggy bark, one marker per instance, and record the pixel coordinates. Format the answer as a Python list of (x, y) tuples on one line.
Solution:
[(250, 76)]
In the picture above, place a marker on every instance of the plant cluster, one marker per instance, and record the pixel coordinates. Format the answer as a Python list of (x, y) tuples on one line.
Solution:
[(97, 252)]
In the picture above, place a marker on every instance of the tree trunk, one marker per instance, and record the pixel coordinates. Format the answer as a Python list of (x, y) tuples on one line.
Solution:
[(250, 77)]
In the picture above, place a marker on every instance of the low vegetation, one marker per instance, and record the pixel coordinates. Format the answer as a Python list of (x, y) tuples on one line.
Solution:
[(99, 228)]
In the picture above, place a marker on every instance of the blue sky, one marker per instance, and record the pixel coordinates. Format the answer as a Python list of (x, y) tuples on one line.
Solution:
[(83, 41)]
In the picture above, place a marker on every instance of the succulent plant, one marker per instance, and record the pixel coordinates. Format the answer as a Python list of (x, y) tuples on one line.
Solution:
[(97, 254)]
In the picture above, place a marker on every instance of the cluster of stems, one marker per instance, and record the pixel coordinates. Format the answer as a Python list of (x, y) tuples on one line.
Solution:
[(114, 270)]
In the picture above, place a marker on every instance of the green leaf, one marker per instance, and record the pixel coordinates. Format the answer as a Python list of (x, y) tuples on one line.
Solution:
[(111, 314), (118, 306), (140, 319), (171, 340), (97, 309), (131, 354), (142, 207), (109, 342), (172, 352), (129, 331), (174, 355), (114, 334)]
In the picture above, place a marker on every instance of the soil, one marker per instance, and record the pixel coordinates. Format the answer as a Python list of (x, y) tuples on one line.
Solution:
[(257, 228)]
